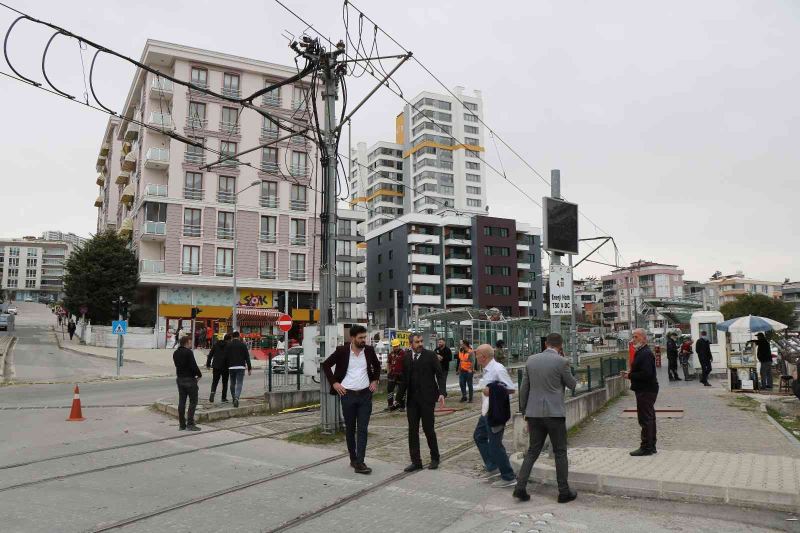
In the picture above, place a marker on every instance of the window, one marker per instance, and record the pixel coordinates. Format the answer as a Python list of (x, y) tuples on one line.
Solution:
[(380, 276), (195, 155), (347, 248), (297, 231), (297, 267), (472, 166), (344, 289), (711, 331), (344, 227), (155, 212), (473, 190), (30, 273), (380, 295), (12, 283), (190, 263), (474, 178), (224, 225), (192, 223), (224, 265), (497, 270), (380, 258), (229, 121), (272, 97), (471, 140), (471, 129), (473, 153), (230, 84), (298, 97), (197, 115), (299, 164), (30, 283), (391, 274), (473, 202), (228, 149), (226, 189), (390, 235), (193, 186), (391, 254), (501, 251), (31, 262), (266, 268), (498, 290), (199, 77), (298, 200), (13, 252), (469, 117), (344, 268), (269, 128), (269, 160), (268, 232), (471, 106)]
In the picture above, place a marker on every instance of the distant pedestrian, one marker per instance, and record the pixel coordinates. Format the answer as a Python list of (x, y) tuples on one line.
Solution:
[(445, 355), (187, 376), (59, 321), (703, 349), (394, 375), (178, 336), (764, 354), (500, 352), (496, 386), (424, 387), (672, 358), (645, 384), (199, 337), (684, 356), (216, 360), (353, 370), (541, 401), (209, 336), (465, 370), (71, 328), (237, 357)]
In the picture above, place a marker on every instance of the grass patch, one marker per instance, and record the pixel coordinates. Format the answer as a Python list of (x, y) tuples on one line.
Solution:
[(792, 425), (316, 436), (744, 403), (574, 430)]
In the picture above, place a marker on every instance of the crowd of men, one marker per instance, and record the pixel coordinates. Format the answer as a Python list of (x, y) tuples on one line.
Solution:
[(683, 356)]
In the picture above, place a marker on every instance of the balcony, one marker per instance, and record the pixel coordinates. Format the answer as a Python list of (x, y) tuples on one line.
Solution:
[(226, 197), (426, 299), (194, 158), (267, 273), (459, 300), (297, 275), (523, 265), (104, 149), (98, 201), (458, 260), (223, 270), (190, 268), (298, 240), (190, 193), (128, 194), (269, 134), (298, 171), (131, 132), (523, 247), (298, 140), (151, 266), (129, 163), (230, 162), (457, 241), (268, 201), (101, 180), (196, 123), (192, 230), (524, 284), (231, 92), (298, 104), (161, 120), (269, 166), (273, 100), (154, 231), (298, 205), (157, 158), (458, 280), (123, 178), (425, 259), (225, 233), (161, 88), (126, 148), (427, 279), (229, 128), (268, 237), (420, 238)]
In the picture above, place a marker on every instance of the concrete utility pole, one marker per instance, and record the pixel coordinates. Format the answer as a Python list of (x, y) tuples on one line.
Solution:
[(573, 329), (555, 257)]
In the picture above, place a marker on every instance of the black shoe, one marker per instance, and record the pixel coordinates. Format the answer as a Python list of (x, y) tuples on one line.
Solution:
[(678, 379), (521, 494), (361, 468), (641, 452), (568, 496), (224, 400), (463, 399), (672, 379), (707, 384), (236, 402), (413, 467), (181, 428), (353, 463), (211, 398), (192, 427), (434, 464)]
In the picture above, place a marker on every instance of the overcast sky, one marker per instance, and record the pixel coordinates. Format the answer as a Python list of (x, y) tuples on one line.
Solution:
[(675, 125)]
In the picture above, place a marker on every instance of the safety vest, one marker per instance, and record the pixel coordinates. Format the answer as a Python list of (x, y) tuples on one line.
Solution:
[(463, 362)]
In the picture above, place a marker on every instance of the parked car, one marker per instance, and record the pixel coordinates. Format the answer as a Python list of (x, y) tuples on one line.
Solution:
[(28, 299), (5, 321), (11, 310)]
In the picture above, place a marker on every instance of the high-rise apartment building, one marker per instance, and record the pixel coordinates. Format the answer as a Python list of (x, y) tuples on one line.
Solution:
[(33, 268), (626, 290), (71, 238)]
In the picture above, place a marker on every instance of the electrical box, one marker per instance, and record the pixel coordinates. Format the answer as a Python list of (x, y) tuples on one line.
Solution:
[(311, 355)]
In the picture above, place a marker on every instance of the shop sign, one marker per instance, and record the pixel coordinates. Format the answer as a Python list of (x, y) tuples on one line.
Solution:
[(260, 299)]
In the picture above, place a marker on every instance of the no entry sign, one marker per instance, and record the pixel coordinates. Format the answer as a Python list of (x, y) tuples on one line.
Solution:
[(285, 323)]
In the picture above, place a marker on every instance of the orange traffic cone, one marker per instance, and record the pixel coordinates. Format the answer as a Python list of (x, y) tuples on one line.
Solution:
[(75, 414)]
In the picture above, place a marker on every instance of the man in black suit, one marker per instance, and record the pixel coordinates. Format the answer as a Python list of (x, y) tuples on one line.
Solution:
[(703, 349), (424, 387)]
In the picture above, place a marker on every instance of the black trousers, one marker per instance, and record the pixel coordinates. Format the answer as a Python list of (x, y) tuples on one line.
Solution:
[(392, 384), (220, 374), (356, 410), (705, 367), (417, 411), (672, 366), (187, 387), (538, 430), (646, 411)]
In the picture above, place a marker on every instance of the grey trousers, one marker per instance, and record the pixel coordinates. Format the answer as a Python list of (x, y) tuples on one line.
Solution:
[(538, 431)]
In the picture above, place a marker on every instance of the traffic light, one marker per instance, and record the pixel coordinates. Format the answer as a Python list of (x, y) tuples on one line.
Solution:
[(196, 311), (119, 308), (124, 309)]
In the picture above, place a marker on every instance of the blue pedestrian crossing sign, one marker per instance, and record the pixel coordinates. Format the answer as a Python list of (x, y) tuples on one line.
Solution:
[(119, 327)]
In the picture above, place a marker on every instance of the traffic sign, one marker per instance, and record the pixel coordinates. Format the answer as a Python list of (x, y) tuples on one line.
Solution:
[(285, 322), (560, 290), (119, 327)]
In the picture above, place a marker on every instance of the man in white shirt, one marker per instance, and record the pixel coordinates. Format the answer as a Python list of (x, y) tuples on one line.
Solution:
[(488, 438)]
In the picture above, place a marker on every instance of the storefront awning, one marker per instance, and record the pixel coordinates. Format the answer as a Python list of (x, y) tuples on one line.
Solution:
[(257, 315)]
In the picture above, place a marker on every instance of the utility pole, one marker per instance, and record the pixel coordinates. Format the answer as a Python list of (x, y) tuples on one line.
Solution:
[(573, 330), (555, 257)]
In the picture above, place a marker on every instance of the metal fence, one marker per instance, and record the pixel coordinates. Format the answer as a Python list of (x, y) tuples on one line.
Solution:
[(278, 378), (591, 377)]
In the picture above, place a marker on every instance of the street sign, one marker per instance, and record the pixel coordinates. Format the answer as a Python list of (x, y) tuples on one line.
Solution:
[(119, 327), (285, 323), (560, 290)]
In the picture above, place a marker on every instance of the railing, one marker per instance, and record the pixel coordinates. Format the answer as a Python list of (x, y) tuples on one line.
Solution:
[(298, 205), (163, 120), (298, 104), (151, 266), (194, 159), (231, 93), (153, 189), (154, 228), (298, 240), (226, 197), (190, 193), (297, 275), (593, 376), (190, 268), (225, 233), (231, 128), (269, 237), (223, 270), (298, 170), (196, 123), (268, 201), (298, 140), (269, 134), (232, 162), (267, 273), (269, 166), (192, 230), (161, 84), (271, 99), (201, 84)]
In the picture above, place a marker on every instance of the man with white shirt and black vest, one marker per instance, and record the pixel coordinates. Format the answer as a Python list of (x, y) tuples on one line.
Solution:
[(353, 371)]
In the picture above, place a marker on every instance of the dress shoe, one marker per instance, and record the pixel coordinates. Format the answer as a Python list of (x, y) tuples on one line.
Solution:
[(361, 468), (211, 398), (568, 496), (224, 400), (521, 494), (236, 402), (413, 467), (641, 452), (181, 428), (192, 427), (434, 464), (707, 384), (462, 399), (678, 379), (353, 463)]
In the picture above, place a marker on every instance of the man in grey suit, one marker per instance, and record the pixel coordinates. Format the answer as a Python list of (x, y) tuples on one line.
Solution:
[(541, 400)]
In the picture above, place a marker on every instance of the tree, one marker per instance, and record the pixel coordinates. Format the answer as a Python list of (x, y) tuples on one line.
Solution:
[(97, 274), (759, 305)]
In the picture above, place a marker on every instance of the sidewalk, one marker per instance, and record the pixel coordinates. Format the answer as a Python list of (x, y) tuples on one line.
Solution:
[(722, 449)]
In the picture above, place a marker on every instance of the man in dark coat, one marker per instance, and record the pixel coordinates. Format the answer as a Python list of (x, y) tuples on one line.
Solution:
[(424, 387), (672, 358), (645, 384), (216, 360), (237, 358), (187, 374), (703, 350), (445, 355), (764, 355)]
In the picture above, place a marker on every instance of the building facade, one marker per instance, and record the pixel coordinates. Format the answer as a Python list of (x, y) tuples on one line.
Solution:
[(70, 238), (423, 262), (588, 300), (626, 292), (727, 288), (376, 182), (33, 268), (790, 292), (351, 257)]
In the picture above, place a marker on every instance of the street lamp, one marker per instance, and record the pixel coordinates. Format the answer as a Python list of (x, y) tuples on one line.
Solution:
[(235, 249)]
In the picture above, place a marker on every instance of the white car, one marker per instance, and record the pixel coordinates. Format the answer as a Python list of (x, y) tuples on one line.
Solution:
[(11, 310), (279, 361)]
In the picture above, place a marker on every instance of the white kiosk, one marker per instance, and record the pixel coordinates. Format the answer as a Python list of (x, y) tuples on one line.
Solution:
[(707, 321)]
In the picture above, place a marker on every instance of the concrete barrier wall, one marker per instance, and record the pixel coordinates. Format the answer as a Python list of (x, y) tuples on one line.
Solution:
[(101, 336)]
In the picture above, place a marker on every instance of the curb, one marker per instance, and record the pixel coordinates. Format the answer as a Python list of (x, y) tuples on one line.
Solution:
[(215, 414), (791, 438), (87, 354)]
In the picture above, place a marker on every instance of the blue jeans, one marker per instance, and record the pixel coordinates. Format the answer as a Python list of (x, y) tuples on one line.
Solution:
[(465, 381), (356, 410), (493, 453), (237, 380)]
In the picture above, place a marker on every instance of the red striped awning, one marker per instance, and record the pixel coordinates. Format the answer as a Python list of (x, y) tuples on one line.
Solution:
[(259, 315)]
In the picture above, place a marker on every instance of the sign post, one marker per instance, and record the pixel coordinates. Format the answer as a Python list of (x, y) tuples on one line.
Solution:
[(119, 328)]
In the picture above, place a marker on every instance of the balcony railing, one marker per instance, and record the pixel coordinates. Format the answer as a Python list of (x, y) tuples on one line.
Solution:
[(297, 275), (223, 270), (161, 85), (153, 189), (269, 134), (232, 162), (196, 123), (154, 228), (192, 230), (269, 237), (190, 193), (225, 233), (161, 120), (298, 240), (231, 92), (201, 84), (298, 205), (298, 170), (269, 166), (230, 128), (194, 159), (298, 140), (151, 266), (298, 103), (226, 197), (267, 273), (268, 201), (271, 99), (190, 268)]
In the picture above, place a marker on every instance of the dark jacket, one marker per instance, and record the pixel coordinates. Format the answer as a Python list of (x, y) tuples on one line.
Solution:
[(499, 405), (643, 371), (703, 349), (185, 364), (764, 353), (236, 354), (424, 378), (447, 356), (672, 347), (340, 359), (216, 356)]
